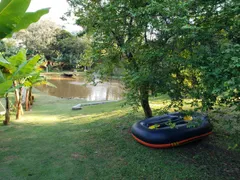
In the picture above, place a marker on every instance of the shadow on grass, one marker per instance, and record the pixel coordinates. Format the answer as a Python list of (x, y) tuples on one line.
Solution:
[(54, 142), (100, 145)]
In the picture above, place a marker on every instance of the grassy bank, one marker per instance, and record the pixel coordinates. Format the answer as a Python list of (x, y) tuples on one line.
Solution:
[(54, 142)]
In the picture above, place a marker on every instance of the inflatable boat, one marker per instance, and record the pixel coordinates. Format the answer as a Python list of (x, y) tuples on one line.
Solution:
[(171, 130)]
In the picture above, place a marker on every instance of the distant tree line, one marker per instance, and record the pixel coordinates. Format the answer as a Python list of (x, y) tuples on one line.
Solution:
[(53, 43)]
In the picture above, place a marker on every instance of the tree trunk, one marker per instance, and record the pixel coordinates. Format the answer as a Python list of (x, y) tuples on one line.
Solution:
[(27, 100), (7, 114), (145, 102), (16, 94), (19, 105), (30, 96)]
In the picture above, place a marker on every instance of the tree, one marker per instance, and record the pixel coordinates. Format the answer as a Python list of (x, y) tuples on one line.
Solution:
[(69, 48), (9, 47), (220, 60), (134, 36), (166, 46), (38, 37), (208, 48), (119, 38)]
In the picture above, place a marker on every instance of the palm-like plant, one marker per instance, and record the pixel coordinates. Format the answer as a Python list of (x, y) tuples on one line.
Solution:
[(15, 70), (34, 79), (17, 73)]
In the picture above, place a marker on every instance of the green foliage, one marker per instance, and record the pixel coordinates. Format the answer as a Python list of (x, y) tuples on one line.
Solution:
[(9, 47), (119, 42), (18, 68), (48, 39), (4, 87), (171, 124), (182, 48), (26, 68), (2, 60), (38, 37), (194, 123), (13, 16), (5, 84), (69, 48), (36, 79), (211, 64), (29, 18)]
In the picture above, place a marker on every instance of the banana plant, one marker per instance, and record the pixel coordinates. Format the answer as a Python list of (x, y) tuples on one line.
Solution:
[(23, 72), (19, 72), (5, 85), (13, 17), (34, 80)]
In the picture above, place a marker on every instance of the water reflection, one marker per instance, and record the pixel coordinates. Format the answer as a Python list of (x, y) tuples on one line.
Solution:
[(76, 87)]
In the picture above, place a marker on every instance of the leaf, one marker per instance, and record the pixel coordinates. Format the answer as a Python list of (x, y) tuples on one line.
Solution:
[(155, 126), (2, 79), (11, 13), (19, 58), (27, 84), (13, 88), (37, 80), (47, 83), (2, 60), (187, 118), (3, 4), (187, 26), (26, 68), (29, 18), (15, 61), (4, 87)]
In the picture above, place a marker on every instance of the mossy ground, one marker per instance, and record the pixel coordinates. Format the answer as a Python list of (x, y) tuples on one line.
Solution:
[(53, 142)]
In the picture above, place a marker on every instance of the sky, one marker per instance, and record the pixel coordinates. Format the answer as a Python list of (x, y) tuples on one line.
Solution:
[(58, 8)]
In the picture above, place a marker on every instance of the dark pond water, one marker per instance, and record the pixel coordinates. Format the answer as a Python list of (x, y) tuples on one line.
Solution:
[(76, 87)]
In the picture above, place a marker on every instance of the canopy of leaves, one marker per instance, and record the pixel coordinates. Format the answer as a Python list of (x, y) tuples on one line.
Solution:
[(69, 48), (182, 48), (38, 37), (9, 47)]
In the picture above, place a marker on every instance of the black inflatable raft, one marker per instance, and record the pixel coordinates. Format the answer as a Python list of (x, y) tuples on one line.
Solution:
[(171, 130)]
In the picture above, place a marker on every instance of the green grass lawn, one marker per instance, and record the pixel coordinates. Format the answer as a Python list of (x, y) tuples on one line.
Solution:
[(53, 142)]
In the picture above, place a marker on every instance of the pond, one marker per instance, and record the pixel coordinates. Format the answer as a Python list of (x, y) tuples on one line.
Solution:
[(76, 87)]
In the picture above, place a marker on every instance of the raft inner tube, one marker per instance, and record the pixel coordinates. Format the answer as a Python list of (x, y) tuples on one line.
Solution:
[(171, 130)]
